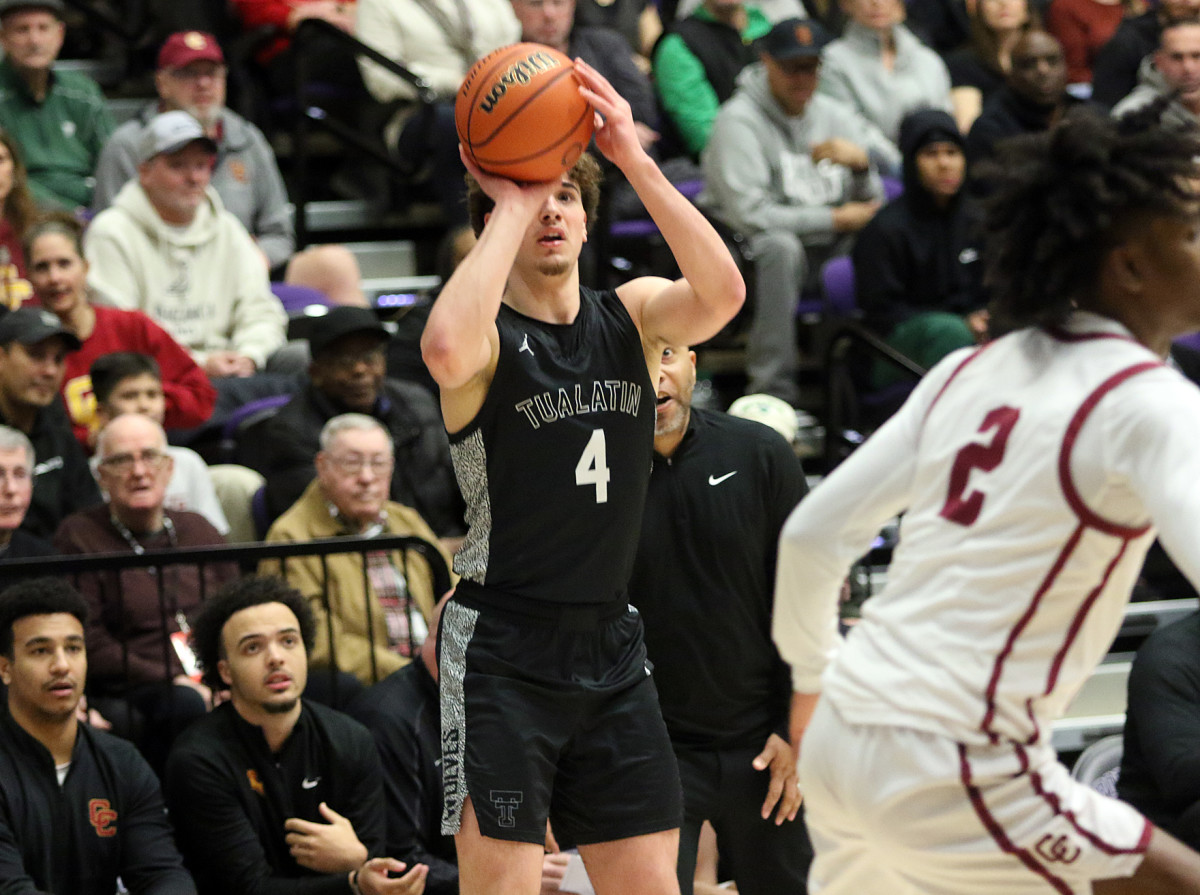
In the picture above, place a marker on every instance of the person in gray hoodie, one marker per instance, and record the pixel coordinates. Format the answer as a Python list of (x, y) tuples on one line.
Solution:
[(168, 247), (798, 173), (1173, 70)]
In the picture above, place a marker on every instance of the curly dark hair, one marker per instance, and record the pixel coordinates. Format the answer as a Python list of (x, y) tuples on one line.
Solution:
[(585, 172), (209, 623), (37, 596), (1060, 200)]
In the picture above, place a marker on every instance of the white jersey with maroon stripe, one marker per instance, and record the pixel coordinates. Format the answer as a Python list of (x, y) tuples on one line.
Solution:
[(1031, 475)]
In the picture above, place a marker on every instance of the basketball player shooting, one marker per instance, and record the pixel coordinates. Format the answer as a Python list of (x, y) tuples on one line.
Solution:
[(548, 710), (1032, 473)]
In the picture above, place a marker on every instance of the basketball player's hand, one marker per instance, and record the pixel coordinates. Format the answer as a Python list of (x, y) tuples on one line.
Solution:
[(554, 869), (501, 190), (373, 878), (778, 758), (331, 847), (616, 134)]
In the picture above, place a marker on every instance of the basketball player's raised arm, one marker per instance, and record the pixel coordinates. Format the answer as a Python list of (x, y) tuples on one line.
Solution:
[(460, 343), (692, 309)]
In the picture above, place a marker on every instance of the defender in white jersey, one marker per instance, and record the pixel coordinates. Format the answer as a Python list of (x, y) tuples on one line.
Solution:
[(1033, 474), (536, 671)]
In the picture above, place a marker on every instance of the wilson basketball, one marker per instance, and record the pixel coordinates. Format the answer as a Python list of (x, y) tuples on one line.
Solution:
[(519, 113)]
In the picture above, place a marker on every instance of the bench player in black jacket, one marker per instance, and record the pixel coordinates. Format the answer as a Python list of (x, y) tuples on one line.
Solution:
[(547, 393)]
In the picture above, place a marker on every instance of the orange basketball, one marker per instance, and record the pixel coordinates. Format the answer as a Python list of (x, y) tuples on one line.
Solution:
[(519, 113)]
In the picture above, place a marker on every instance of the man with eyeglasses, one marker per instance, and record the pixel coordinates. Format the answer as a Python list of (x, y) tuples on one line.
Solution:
[(137, 627), (16, 490), (191, 76), (33, 349), (346, 375), (379, 615), (58, 118)]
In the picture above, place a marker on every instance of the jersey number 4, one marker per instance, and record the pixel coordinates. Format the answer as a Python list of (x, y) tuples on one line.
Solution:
[(964, 508), (592, 468)]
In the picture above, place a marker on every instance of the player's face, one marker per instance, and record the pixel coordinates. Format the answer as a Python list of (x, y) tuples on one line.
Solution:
[(175, 182), (31, 374), (31, 38), (197, 88), (351, 370), (264, 664), (48, 668), (1172, 273), (793, 81), (941, 168), (554, 239), (16, 488), (142, 394), (57, 273), (356, 474), (676, 381), (1178, 60)]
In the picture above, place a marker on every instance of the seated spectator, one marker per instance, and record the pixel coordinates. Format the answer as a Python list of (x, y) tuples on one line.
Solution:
[(133, 664), (1083, 27), (347, 375), (977, 69), (129, 382), (439, 41), (271, 787), (880, 69), (637, 21), (1117, 64), (1158, 775), (944, 25), (797, 172), (1174, 75), (59, 118), (555, 24), (33, 355), (168, 247), (696, 64), (916, 264), (191, 76), (16, 490), (58, 273), (82, 812), (404, 717), (1033, 99), (17, 211), (379, 616)]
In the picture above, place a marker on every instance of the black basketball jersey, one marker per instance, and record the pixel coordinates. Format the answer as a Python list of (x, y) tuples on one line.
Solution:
[(555, 465)]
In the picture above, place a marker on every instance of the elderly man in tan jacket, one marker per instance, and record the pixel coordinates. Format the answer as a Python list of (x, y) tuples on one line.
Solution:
[(378, 615)]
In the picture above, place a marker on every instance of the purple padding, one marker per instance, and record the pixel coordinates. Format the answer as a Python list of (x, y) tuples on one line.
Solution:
[(837, 278), (642, 229), (296, 298), (892, 188), (1191, 340)]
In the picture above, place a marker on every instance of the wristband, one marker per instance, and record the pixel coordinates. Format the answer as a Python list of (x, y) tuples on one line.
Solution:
[(354, 883)]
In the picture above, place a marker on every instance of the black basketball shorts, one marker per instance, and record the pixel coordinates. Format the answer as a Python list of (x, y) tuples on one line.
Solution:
[(549, 711)]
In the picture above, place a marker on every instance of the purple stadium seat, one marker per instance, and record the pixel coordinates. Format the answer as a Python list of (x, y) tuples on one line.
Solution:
[(296, 298)]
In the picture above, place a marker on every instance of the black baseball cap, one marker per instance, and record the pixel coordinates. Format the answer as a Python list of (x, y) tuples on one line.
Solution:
[(32, 325), (793, 39), (54, 6), (344, 321)]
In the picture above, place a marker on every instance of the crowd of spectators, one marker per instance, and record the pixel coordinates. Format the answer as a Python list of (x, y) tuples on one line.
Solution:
[(136, 265)]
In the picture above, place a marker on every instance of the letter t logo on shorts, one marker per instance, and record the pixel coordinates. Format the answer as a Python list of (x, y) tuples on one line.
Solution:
[(506, 803)]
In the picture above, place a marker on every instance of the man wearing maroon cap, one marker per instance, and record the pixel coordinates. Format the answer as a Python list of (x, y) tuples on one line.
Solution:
[(58, 118), (191, 76)]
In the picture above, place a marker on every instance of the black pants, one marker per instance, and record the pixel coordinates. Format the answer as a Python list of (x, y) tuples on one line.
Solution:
[(723, 788)]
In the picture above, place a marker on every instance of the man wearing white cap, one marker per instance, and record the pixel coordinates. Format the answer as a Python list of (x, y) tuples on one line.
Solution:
[(191, 75), (168, 247), (720, 490)]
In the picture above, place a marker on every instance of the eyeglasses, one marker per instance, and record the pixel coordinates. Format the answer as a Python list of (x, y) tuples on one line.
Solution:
[(346, 361), (123, 464), (353, 464)]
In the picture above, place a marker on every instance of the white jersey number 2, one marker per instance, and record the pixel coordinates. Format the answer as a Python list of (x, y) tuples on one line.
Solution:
[(592, 468)]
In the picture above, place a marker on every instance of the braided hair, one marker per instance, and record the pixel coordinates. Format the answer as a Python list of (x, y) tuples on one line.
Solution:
[(1061, 199)]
